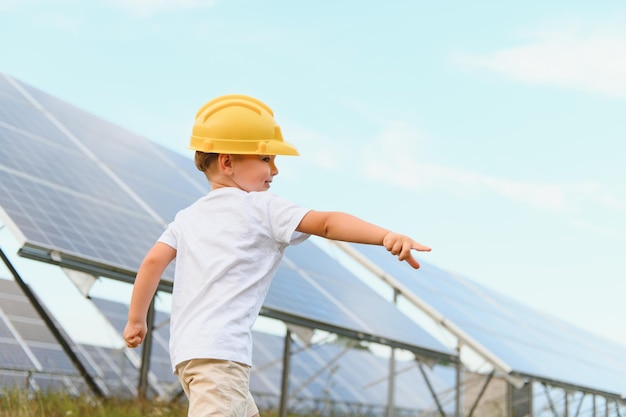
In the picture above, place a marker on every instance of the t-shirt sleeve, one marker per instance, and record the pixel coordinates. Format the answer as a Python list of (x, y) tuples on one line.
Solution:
[(169, 237), (298, 237), (285, 216)]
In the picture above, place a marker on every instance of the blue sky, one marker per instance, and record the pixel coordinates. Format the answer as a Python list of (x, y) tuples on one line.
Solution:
[(492, 131)]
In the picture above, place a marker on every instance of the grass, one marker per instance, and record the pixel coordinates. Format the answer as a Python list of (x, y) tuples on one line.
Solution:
[(18, 403)]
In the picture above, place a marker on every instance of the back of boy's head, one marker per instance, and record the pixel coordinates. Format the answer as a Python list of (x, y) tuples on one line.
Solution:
[(239, 125), (204, 160)]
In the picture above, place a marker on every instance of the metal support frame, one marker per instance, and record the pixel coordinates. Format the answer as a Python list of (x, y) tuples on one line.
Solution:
[(531, 398), (458, 410), (391, 383), (284, 385), (146, 352), (430, 388), (52, 327), (326, 366), (98, 269), (513, 400), (354, 334), (595, 405), (550, 402), (580, 404), (480, 394)]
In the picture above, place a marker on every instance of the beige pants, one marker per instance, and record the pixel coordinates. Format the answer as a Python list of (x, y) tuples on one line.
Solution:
[(217, 388)]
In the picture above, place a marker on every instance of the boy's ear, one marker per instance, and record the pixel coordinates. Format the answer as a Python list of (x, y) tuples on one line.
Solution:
[(225, 162)]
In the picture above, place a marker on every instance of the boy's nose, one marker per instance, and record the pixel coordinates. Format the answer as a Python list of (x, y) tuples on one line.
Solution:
[(274, 169)]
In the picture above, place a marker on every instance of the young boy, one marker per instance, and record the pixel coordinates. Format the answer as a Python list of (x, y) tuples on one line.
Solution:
[(227, 247)]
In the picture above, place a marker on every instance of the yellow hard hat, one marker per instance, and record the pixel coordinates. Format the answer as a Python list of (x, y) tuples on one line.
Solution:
[(238, 124)]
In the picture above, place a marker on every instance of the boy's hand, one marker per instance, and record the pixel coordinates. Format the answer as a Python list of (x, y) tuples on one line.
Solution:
[(134, 334), (401, 246)]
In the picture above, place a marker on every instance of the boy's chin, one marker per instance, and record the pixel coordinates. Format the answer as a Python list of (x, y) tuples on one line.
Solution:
[(257, 190)]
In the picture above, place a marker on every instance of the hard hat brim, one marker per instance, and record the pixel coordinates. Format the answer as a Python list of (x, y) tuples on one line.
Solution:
[(242, 147)]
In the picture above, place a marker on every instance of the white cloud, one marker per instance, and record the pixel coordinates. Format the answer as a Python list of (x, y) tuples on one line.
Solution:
[(393, 157), (419, 176), (397, 148), (544, 196), (145, 8), (587, 58)]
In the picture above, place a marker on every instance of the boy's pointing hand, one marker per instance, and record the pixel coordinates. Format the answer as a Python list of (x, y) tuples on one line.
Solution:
[(401, 246)]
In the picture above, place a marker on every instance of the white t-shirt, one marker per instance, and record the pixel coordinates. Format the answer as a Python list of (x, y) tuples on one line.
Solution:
[(229, 245)]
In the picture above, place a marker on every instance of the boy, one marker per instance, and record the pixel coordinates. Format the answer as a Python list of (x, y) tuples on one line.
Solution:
[(227, 247)]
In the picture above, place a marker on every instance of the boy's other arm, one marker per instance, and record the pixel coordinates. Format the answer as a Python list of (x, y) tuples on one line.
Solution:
[(146, 282), (348, 228)]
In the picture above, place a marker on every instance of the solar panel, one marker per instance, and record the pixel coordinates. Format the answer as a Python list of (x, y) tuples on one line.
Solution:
[(267, 364), (32, 341), (19, 307), (93, 227), (533, 344), (12, 356), (4, 331), (53, 358), (149, 170), (312, 285), (118, 373), (78, 185), (160, 364), (16, 115), (33, 330)]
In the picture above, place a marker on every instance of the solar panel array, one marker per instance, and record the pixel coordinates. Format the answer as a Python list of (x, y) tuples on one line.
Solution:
[(85, 193), (88, 189), (531, 343), (357, 379), (30, 356), (76, 184)]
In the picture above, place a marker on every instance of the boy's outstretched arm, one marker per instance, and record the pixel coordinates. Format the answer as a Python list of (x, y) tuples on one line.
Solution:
[(348, 228), (146, 282)]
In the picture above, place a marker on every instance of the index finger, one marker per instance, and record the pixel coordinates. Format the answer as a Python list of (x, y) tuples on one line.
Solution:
[(420, 247)]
